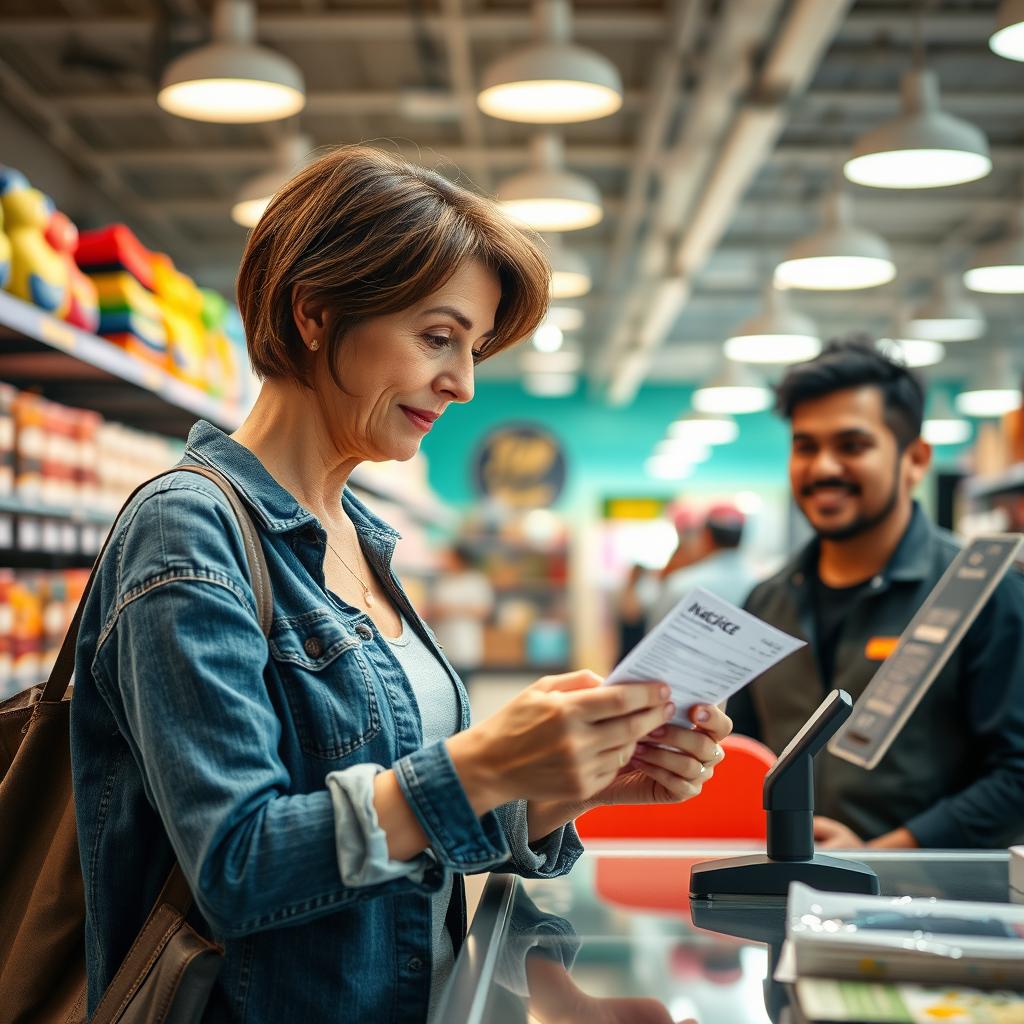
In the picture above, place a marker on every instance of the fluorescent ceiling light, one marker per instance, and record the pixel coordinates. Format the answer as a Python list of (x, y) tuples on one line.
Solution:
[(548, 337), (840, 257), (922, 148), (1008, 39), (549, 385), (662, 468), (232, 80), (942, 426), (913, 352), (705, 428), (548, 197), (255, 195), (568, 318), (949, 315), (778, 334), (682, 450), (993, 390), (551, 81), (736, 391), (999, 268)]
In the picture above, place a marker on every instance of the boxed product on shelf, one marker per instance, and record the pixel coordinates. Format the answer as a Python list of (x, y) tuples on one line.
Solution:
[(7, 394)]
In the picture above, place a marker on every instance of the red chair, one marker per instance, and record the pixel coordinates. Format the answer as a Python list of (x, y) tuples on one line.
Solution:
[(729, 806)]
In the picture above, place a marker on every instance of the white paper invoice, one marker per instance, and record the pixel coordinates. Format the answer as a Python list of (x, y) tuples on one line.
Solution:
[(705, 649)]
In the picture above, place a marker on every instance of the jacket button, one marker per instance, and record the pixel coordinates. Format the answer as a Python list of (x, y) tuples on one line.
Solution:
[(414, 963), (364, 631), (877, 582), (312, 646)]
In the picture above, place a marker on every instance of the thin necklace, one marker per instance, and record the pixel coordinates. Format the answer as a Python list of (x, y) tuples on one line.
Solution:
[(367, 596)]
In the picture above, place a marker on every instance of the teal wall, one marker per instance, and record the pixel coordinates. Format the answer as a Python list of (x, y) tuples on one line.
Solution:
[(606, 447)]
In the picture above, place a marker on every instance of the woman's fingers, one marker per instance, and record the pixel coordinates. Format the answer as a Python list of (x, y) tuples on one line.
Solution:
[(679, 787), (690, 741), (711, 719), (686, 767), (613, 733), (596, 705)]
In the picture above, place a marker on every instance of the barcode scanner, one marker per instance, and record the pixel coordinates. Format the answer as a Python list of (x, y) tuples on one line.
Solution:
[(789, 801)]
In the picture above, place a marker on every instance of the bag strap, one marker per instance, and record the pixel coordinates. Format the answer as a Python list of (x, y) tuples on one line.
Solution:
[(176, 891), (64, 666)]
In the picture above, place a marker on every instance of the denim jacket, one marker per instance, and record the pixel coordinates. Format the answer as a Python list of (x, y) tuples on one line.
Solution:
[(193, 735)]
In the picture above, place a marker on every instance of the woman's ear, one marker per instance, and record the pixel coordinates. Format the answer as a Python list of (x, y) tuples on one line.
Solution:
[(309, 316)]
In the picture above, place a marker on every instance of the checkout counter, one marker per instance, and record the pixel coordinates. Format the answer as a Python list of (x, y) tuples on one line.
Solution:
[(620, 940)]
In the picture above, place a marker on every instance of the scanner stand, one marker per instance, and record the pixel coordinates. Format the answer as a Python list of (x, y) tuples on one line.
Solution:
[(789, 801)]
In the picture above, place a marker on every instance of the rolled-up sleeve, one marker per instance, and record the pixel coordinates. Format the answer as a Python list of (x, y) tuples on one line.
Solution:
[(549, 857)]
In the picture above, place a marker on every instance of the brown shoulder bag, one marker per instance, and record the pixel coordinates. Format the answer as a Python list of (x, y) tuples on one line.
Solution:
[(168, 974)]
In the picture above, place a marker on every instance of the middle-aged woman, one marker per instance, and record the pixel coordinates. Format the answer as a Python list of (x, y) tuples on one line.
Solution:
[(323, 789)]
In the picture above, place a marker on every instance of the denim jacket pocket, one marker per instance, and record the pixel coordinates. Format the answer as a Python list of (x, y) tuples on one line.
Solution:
[(327, 683)]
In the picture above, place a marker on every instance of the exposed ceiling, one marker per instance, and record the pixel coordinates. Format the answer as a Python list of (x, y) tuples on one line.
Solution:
[(737, 115)]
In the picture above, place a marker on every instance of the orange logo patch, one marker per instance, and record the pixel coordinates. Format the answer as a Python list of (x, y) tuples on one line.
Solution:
[(880, 647)]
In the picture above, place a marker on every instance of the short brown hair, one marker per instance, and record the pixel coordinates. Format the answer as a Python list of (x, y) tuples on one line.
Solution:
[(370, 234)]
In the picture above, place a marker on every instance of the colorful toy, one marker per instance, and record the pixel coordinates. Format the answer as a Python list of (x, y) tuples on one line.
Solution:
[(223, 380), (131, 318), (115, 247), (181, 307), (38, 272), (5, 252), (82, 309)]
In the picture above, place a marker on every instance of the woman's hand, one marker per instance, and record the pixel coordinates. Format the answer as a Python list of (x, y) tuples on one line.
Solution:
[(563, 739), (655, 775)]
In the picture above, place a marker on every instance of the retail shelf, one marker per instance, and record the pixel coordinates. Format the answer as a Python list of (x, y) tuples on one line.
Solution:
[(986, 486), (16, 506), (72, 366), (424, 510)]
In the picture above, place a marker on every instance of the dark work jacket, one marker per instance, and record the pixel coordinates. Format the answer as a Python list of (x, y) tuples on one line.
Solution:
[(955, 774)]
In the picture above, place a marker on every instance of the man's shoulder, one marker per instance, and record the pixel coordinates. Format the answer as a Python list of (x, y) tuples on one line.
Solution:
[(771, 589)]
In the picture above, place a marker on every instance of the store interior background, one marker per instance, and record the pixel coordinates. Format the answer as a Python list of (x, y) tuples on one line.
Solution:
[(737, 118)]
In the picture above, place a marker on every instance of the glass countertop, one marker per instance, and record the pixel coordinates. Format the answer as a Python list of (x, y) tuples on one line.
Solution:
[(619, 941)]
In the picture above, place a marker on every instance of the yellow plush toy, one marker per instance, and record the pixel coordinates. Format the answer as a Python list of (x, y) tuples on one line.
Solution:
[(38, 272), (5, 252)]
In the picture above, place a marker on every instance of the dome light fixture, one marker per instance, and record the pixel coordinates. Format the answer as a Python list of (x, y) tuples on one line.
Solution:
[(548, 337), (551, 81), (948, 315), (923, 147), (994, 390), (570, 275), (912, 352), (701, 428), (1008, 39), (999, 268), (840, 257), (736, 391), (550, 385), (254, 196), (567, 318), (565, 360), (683, 451), (548, 197), (942, 426), (232, 80), (665, 467), (778, 334)]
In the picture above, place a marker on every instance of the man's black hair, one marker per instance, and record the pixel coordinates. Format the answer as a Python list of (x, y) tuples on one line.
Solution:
[(854, 362), (726, 536)]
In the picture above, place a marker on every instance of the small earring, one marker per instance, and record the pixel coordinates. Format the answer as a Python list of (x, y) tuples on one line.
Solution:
[(314, 345)]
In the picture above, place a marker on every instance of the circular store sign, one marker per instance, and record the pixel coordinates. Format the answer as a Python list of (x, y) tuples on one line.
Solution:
[(520, 466)]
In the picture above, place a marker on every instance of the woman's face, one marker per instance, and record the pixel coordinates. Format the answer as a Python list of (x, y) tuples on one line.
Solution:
[(402, 370)]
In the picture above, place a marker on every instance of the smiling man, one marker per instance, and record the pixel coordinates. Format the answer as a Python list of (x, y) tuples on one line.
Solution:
[(955, 775)]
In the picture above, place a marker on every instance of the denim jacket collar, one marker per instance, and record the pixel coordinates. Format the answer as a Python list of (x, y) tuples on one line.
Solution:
[(276, 508)]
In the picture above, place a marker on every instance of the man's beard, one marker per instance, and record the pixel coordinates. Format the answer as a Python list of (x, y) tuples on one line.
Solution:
[(862, 524)]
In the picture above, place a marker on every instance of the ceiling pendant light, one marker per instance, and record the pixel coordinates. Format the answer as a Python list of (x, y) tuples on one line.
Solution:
[(550, 385), (942, 426), (948, 315), (548, 337), (993, 390), (564, 360), (567, 318), (570, 275), (736, 391), (232, 80), (778, 334), (290, 155), (665, 467), (548, 197), (922, 148), (840, 257), (701, 428), (1008, 39), (999, 268), (683, 451), (912, 352), (551, 81)]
